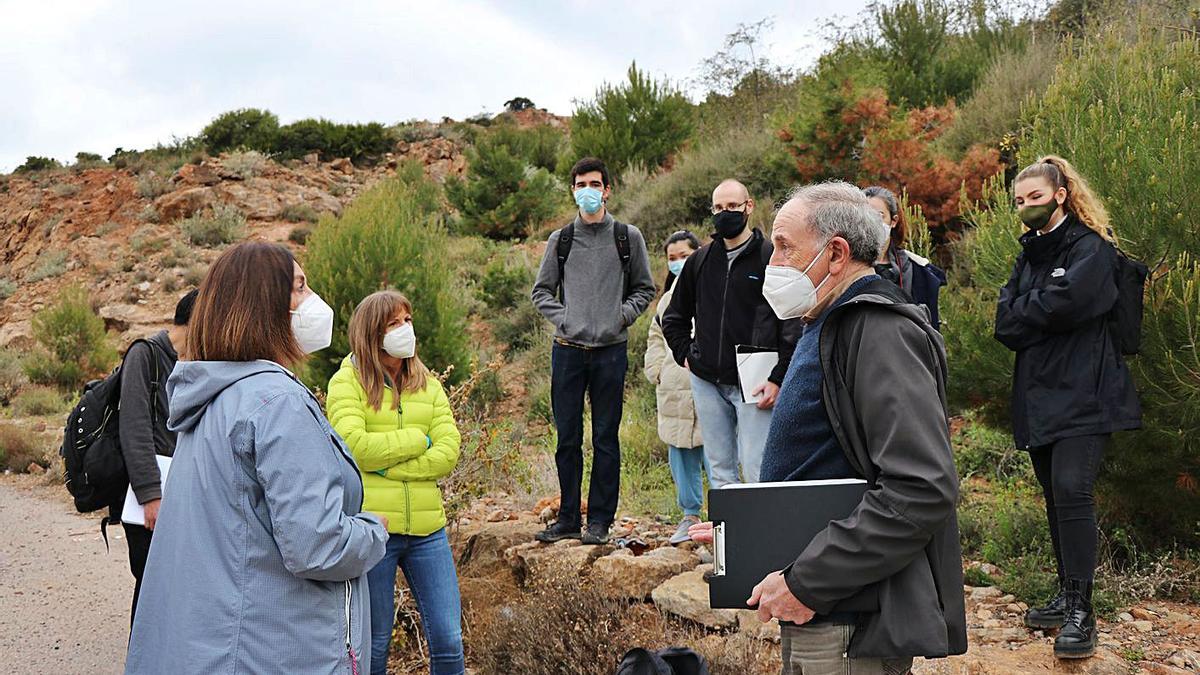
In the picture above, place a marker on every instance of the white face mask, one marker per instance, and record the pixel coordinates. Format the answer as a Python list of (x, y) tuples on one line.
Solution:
[(401, 342), (312, 324), (789, 291)]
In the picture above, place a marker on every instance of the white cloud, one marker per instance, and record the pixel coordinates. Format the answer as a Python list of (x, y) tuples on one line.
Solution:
[(94, 75)]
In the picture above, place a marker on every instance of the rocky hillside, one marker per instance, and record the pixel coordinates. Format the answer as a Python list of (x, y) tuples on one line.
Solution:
[(117, 233)]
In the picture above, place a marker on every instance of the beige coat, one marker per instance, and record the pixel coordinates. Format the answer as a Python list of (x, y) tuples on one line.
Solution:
[(677, 423)]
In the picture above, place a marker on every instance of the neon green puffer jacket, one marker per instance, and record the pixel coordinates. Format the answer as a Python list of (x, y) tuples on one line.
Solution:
[(401, 453)]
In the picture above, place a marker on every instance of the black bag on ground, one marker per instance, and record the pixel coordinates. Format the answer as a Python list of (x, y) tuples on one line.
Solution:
[(669, 661), (1126, 315), (94, 468)]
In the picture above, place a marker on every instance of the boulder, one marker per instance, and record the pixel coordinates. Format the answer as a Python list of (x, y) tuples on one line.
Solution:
[(686, 596), (534, 562), (255, 198), (196, 174), (1038, 657), (183, 203), (483, 552), (625, 575), (342, 164)]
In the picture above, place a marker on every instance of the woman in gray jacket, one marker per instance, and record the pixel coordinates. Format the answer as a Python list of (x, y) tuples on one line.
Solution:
[(260, 550)]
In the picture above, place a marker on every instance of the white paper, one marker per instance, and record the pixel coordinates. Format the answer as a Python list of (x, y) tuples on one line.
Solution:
[(753, 371), (133, 513)]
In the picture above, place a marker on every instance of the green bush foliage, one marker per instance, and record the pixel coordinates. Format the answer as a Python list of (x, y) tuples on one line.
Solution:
[(362, 143), (640, 122), (1126, 115), (392, 236), (38, 401), (7, 288), (151, 185), (12, 375), (33, 164), (18, 449), (502, 195), (666, 202), (504, 290), (74, 344), (246, 128), (49, 264), (245, 163), (222, 224), (300, 213)]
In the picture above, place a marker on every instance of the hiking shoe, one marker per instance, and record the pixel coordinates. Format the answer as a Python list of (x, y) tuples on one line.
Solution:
[(1051, 615), (1077, 639), (596, 534), (557, 532), (681, 533)]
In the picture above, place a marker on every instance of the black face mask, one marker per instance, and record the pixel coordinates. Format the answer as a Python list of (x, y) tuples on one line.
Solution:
[(729, 224)]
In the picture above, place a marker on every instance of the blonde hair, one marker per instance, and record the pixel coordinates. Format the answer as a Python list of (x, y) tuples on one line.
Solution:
[(367, 327), (1081, 201)]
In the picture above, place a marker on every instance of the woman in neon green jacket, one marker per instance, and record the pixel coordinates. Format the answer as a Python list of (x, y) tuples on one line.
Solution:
[(396, 419)]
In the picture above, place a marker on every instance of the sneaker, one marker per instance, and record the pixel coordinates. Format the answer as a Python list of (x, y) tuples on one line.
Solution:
[(681, 532), (557, 532), (596, 534)]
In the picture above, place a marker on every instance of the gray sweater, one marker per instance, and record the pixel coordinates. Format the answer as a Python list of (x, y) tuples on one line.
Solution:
[(597, 311), (143, 414)]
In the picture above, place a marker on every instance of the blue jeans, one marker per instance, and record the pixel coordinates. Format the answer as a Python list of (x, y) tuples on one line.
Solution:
[(598, 374), (428, 566), (734, 432), (686, 464)]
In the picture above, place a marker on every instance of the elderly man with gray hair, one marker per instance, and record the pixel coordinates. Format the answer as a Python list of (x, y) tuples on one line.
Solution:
[(864, 397)]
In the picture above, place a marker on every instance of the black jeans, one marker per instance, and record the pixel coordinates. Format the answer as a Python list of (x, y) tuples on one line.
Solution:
[(600, 375), (1067, 472), (139, 547)]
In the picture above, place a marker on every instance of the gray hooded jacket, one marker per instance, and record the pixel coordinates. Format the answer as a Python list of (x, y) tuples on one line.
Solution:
[(260, 550)]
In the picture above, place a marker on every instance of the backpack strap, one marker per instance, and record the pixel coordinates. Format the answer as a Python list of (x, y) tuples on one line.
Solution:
[(621, 238), (566, 236)]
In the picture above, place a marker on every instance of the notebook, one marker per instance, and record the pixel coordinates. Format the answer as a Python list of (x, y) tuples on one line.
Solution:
[(754, 366), (759, 528), (133, 513)]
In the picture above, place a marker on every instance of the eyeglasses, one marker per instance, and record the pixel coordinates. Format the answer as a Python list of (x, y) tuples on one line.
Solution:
[(717, 208)]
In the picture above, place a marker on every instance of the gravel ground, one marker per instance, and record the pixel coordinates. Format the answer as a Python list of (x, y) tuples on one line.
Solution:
[(64, 600)]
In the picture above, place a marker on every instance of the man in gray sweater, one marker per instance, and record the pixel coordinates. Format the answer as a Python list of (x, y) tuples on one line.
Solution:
[(593, 284), (142, 424)]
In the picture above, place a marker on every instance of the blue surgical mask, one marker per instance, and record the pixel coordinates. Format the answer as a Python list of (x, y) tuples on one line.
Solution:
[(676, 266), (589, 199)]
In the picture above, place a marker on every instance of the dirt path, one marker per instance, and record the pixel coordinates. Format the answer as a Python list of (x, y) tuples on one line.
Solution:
[(64, 601)]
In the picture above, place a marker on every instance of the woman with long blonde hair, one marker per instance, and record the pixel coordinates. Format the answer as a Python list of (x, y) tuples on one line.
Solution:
[(1071, 387), (396, 419)]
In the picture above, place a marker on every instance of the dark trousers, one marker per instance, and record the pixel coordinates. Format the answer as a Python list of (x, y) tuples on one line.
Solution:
[(600, 375), (1067, 472), (139, 547)]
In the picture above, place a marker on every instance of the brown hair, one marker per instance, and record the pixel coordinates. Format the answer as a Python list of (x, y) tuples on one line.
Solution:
[(367, 328), (899, 233), (242, 312), (1081, 201)]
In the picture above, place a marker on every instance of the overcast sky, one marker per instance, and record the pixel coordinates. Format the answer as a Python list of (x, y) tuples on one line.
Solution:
[(92, 75)]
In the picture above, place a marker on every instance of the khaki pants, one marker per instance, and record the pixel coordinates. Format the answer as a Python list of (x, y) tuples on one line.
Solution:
[(821, 650)]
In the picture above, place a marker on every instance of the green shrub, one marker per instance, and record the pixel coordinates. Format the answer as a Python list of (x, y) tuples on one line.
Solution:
[(640, 122), (18, 450), (161, 159), (151, 185), (501, 196), (392, 236), (666, 202), (148, 214), (38, 401), (73, 341), (146, 240), (539, 146), (223, 224), (300, 213), (7, 288), (504, 290), (982, 450), (85, 160), (362, 143), (49, 264), (193, 275), (33, 164), (248, 128), (300, 235), (65, 190), (245, 164), (12, 375)]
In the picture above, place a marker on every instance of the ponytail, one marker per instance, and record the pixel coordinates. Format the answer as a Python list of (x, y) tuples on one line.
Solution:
[(1081, 201)]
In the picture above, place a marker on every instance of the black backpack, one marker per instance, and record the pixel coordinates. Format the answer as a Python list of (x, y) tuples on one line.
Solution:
[(94, 466), (669, 661), (566, 237), (1126, 314)]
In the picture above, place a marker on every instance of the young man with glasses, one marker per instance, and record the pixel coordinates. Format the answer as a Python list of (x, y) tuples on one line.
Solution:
[(719, 292), (593, 284)]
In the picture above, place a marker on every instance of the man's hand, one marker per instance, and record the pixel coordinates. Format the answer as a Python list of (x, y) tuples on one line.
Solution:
[(768, 392), (151, 510), (701, 533), (775, 601)]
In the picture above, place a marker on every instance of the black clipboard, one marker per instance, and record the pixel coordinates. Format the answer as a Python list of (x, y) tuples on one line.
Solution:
[(759, 528)]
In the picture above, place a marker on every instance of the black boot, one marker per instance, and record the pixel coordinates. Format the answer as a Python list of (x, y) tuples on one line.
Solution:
[(1077, 640), (1051, 615)]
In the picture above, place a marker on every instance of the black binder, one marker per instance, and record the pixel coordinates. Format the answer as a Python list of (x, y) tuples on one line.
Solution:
[(759, 528)]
